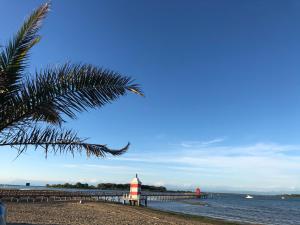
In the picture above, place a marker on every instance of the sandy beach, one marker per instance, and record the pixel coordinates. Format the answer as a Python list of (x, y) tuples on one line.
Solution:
[(73, 213)]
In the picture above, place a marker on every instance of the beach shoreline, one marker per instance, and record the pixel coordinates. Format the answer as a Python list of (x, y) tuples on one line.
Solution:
[(73, 213)]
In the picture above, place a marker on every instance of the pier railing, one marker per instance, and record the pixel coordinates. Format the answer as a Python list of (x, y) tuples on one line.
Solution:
[(93, 195)]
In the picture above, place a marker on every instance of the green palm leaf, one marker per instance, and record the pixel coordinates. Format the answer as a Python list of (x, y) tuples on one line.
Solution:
[(51, 95), (54, 140), (13, 58), (65, 90)]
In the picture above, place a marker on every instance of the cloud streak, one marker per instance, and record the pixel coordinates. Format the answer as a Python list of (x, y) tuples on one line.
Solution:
[(266, 166), (193, 144)]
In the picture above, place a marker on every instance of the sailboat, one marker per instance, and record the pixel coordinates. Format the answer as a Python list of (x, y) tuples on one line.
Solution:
[(249, 196)]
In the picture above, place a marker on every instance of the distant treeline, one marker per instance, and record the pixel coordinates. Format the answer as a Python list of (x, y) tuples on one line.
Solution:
[(106, 186), (293, 195)]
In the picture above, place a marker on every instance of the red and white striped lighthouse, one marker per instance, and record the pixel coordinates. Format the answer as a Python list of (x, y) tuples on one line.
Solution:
[(198, 193), (135, 188)]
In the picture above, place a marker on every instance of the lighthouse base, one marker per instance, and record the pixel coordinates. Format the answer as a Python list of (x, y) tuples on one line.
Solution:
[(127, 199)]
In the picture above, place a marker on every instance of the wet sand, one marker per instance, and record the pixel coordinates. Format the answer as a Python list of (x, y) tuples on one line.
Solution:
[(92, 213)]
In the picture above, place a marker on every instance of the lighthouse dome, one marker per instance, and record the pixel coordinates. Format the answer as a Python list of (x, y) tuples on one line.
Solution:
[(136, 180)]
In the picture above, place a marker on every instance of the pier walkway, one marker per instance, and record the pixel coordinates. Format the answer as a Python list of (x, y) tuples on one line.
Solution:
[(88, 195)]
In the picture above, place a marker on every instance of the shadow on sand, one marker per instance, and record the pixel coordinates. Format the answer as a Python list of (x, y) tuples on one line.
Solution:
[(19, 224), (26, 224)]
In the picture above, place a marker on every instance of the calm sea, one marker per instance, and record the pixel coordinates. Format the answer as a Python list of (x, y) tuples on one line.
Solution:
[(259, 210)]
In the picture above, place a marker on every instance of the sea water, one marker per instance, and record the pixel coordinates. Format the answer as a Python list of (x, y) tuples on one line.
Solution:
[(259, 210)]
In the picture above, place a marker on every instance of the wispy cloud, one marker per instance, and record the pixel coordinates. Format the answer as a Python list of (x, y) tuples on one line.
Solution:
[(97, 167), (258, 166), (193, 144), (70, 166), (213, 141)]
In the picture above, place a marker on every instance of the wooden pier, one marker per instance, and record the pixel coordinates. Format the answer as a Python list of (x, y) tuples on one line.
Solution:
[(107, 196)]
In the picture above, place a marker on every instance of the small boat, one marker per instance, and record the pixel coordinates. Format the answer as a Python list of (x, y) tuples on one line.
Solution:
[(282, 197), (249, 196)]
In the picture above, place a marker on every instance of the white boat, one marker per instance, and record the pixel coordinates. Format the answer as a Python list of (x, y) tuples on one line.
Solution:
[(249, 196), (282, 197)]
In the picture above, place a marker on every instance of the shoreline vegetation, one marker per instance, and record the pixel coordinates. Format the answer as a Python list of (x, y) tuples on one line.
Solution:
[(106, 186), (292, 195), (91, 213)]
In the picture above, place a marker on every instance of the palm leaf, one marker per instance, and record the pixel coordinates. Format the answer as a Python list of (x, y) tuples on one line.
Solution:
[(53, 140), (65, 90), (13, 58), (50, 96)]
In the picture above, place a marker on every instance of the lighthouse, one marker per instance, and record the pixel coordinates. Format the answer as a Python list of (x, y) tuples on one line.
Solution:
[(198, 193), (134, 197), (135, 189)]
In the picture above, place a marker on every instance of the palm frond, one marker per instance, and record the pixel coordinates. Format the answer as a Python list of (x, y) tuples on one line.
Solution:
[(54, 140), (65, 90), (13, 58), (51, 95)]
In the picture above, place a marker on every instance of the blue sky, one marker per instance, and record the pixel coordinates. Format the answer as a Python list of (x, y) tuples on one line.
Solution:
[(222, 84)]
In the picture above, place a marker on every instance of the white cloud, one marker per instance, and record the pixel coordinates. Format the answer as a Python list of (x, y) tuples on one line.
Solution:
[(256, 167), (98, 167), (70, 166), (213, 141), (261, 166), (193, 144)]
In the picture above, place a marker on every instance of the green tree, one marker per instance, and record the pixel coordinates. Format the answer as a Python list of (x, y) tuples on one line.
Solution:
[(34, 107)]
